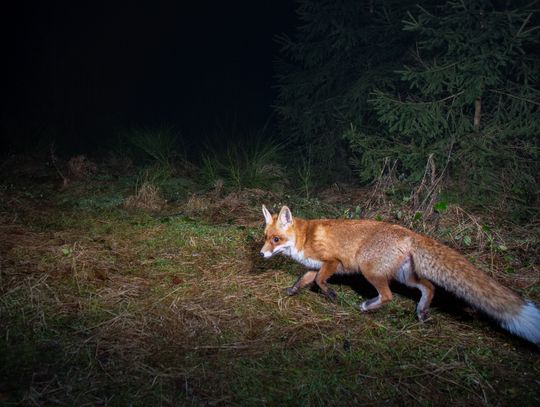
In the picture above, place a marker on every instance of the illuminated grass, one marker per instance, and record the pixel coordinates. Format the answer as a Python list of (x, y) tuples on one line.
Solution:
[(115, 308)]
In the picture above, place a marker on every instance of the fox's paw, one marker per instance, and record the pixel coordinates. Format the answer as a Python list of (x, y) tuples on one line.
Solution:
[(291, 291), (330, 294), (363, 307), (422, 315), (370, 304)]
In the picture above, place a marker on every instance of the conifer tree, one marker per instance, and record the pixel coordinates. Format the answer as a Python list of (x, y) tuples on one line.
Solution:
[(340, 53), (469, 94)]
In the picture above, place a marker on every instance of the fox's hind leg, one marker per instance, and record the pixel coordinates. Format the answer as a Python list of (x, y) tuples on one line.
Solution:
[(407, 276), (378, 270), (306, 279), (381, 285)]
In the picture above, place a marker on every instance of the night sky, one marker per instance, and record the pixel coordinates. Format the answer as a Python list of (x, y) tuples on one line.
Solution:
[(83, 69)]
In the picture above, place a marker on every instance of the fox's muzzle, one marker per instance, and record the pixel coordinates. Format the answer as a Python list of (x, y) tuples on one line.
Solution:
[(266, 255)]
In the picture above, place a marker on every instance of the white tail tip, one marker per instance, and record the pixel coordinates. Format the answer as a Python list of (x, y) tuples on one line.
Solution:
[(526, 323)]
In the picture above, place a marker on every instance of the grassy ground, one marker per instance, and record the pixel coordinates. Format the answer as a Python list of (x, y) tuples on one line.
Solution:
[(100, 305)]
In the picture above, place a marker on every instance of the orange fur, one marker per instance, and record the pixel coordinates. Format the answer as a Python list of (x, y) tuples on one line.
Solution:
[(383, 252)]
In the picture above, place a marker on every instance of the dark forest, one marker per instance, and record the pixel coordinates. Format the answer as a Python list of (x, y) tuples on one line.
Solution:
[(140, 141)]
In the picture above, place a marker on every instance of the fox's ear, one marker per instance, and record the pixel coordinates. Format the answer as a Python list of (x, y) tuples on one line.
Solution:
[(285, 217), (267, 215)]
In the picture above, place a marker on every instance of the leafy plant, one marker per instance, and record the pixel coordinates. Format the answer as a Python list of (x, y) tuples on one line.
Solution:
[(440, 207)]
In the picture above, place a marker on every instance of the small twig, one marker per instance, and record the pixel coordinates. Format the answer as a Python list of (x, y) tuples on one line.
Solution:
[(54, 160)]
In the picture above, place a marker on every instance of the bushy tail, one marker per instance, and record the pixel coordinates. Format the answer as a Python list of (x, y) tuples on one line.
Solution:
[(449, 269), (526, 323)]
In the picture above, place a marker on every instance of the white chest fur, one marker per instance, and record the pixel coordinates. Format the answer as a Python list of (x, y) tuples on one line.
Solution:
[(306, 261)]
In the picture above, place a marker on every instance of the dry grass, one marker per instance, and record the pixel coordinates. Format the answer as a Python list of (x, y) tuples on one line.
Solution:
[(115, 308), (236, 207), (147, 198), (80, 167)]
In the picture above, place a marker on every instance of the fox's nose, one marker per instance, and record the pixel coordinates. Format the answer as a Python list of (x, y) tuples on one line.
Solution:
[(262, 254)]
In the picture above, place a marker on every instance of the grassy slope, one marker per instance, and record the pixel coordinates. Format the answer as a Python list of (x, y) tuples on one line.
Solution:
[(100, 306)]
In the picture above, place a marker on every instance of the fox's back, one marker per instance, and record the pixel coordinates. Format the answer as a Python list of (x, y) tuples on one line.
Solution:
[(347, 239)]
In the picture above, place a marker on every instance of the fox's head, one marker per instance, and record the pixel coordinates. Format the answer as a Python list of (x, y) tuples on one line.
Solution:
[(279, 236)]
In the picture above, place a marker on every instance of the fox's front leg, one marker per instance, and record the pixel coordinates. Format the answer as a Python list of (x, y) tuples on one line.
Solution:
[(326, 271), (305, 280)]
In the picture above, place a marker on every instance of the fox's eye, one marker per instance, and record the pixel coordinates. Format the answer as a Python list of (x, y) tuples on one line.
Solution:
[(275, 239)]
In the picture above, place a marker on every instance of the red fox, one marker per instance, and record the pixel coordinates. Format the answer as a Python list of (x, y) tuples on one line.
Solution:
[(382, 252)]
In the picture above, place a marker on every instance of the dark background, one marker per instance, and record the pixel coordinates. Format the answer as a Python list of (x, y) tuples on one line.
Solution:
[(77, 72)]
